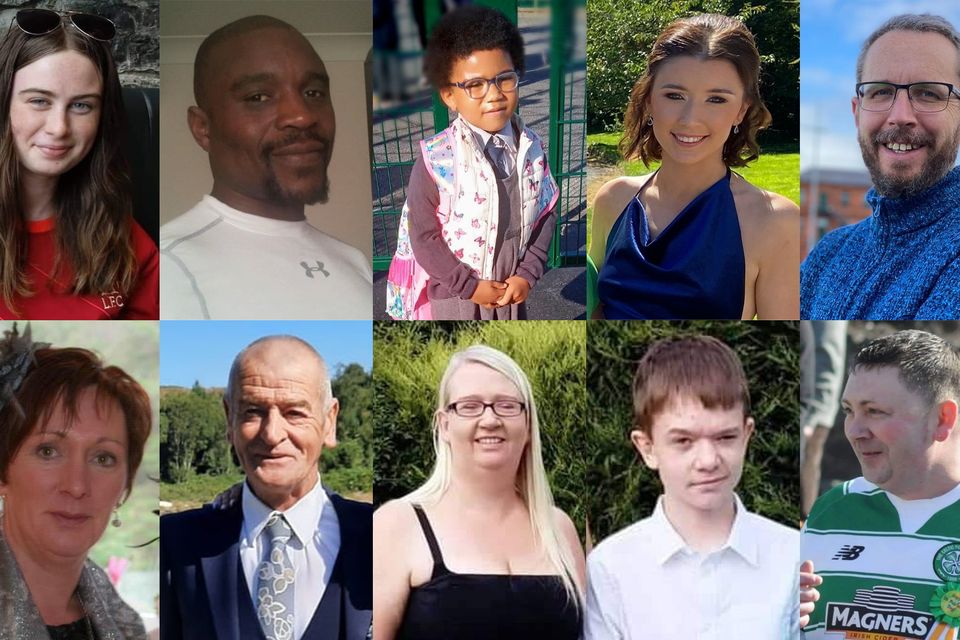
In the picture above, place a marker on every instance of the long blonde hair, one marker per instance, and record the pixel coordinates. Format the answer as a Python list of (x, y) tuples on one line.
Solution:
[(531, 477)]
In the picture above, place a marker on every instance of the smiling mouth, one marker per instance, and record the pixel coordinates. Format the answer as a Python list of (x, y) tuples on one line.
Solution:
[(490, 440), (901, 147), (53, 151), (688, 139), (70, 518), (713, 482)]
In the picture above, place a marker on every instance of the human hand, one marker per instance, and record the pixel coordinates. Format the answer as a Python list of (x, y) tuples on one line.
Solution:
[(516, 292), (809, 581), (487, 293), (227, 498)]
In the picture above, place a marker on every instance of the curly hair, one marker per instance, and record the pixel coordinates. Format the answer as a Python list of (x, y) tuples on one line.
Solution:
[(706, 37), (465, 30)]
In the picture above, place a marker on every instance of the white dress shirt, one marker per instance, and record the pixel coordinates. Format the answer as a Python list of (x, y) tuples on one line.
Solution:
[(645, 583), (312, 548)]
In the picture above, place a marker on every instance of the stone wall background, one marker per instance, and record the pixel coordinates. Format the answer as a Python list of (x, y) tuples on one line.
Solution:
[(136, 47)]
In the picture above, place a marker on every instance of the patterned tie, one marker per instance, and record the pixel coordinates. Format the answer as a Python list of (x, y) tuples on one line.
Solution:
[(500, 155), (275, 585)]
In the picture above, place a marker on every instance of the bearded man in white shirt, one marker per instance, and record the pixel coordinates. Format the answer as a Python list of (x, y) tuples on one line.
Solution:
[(701, 566)]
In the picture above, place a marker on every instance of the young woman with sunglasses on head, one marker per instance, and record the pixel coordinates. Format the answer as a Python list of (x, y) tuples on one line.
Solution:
[(69, 248), (693, 239)]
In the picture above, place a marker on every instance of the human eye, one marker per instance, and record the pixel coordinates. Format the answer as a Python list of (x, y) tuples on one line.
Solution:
[(81, 107), (46, 451), (508, 407), (39, 102), (878, 91), (256, 97), (929, 92), (469, 407), (682, 441), (105, 459), (717, 100), (316, 93), (673, 95)]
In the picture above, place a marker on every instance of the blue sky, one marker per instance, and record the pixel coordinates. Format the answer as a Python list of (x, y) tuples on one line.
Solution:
[(203, 350), (831, 33)]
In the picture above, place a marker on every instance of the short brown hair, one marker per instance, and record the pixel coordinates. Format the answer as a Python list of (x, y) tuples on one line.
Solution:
[(707, 37), (61, 376), (698, 367)]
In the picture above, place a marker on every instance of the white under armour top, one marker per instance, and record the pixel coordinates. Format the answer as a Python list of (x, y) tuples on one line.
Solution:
[(220, 263)]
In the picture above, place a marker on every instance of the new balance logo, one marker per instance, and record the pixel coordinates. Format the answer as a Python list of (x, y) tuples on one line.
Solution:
[(848, 552), (310, 269)]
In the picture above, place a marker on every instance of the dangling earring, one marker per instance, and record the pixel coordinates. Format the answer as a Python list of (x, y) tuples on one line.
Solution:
[(649, 121), (736, 129), (2, 498), (116, 518)]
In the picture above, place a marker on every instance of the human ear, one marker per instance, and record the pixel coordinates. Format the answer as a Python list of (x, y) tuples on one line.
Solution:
[(856, 112), (644, 446), (330, 424), (946, 420), (443, 424), (446, 94), (199, 123), (748, 427)]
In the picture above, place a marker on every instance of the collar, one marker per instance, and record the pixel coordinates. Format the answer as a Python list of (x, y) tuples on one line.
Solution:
[(666, 542), (254, 223), (903, 215), (40, 226), (506, 135), (303, 517)]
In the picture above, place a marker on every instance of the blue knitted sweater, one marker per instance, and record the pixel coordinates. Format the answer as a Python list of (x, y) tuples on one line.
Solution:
[(901, 263)]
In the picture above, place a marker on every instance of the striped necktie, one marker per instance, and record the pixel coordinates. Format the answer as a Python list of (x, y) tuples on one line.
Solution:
[(500, 155)]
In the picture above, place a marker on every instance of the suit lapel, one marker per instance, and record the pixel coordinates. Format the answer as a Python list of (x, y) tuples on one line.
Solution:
[(220, 574)]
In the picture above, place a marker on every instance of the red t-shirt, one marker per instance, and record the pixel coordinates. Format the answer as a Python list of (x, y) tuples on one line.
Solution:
[(53, 300)]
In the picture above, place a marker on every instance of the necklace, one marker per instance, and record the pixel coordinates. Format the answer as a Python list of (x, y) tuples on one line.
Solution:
[(86, 617)]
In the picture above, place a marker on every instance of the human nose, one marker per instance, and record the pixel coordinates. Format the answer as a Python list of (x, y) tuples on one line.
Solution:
[(74, 477), (707, 455), (901, 111), (855, 427), (273, 428), (488, 416), (58, 123), (295, 111)]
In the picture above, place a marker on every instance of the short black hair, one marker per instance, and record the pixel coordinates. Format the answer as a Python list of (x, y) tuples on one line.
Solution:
[(465, 30), (929, 366)]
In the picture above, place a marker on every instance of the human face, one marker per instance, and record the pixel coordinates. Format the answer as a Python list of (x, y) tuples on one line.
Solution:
[(488, 441), (55, 109), (66, 479), (278, 423), (268, 124), (492, 112), (903, 57), (698, 453), (891, 430), (694, 105)]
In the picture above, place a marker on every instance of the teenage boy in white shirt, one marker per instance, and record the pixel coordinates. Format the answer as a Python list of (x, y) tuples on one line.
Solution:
[(701, 566)]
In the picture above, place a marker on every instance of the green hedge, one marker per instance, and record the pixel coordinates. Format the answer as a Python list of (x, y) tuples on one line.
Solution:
[(621, 33), (409, 360), (621, 489)]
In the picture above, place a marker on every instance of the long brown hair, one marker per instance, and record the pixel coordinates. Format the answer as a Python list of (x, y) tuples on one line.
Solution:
[(707, 37), (92, 200)]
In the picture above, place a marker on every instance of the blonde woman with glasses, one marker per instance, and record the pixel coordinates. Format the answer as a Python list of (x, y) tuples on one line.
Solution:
[(479, 550)]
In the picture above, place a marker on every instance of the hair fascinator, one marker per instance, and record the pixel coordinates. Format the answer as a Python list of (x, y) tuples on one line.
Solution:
[(16, 355)]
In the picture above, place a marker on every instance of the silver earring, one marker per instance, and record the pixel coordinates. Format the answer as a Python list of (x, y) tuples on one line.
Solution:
[(2, 498), (649, 121), (116, 519), (736, 129)]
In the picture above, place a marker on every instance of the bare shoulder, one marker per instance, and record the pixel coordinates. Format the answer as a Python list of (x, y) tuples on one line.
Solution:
[(613, 196), (392, 519), (765, 212), (564, 524)]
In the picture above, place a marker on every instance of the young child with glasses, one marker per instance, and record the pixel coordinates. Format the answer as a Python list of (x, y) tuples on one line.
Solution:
[(479, 216)]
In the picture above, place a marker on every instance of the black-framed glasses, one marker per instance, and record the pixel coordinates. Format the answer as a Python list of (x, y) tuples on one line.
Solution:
[(477, 88), (925, 97), (475, 408), (39, 22)]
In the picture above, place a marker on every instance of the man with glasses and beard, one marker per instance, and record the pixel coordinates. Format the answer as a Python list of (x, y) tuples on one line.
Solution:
[(265, 117), (904, 261)]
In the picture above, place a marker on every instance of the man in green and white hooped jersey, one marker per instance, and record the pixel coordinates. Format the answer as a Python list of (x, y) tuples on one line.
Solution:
[(887, 545)]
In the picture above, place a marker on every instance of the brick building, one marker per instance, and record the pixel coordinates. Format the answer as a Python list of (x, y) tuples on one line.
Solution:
[(840, 194)]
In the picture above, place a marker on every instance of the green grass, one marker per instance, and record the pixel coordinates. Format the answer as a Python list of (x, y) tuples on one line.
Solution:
[(777, 169)]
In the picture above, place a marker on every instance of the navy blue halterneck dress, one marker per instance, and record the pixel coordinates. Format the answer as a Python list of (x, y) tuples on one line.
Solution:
[(693, 270)]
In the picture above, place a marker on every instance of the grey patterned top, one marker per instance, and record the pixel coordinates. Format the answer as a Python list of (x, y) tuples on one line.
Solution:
[(112, 618)]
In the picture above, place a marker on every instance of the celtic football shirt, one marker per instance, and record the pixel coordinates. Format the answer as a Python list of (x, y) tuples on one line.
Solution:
[(890, 567)]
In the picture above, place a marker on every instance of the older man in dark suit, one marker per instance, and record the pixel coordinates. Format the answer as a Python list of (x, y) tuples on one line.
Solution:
[(289, 560)]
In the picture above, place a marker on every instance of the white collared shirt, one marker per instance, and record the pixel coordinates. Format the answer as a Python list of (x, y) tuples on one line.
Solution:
[(646, 583), (506, 135), (312, 548)]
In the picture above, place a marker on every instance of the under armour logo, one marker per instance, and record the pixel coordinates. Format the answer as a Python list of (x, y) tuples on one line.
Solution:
[(848, 552), (310, 269)]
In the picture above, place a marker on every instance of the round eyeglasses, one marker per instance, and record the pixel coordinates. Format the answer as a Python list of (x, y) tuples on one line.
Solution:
[(477, 88), (925, 97), (475, 408), (39, 22)]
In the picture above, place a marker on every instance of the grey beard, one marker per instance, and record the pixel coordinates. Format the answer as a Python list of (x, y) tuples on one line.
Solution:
[(932, 171)]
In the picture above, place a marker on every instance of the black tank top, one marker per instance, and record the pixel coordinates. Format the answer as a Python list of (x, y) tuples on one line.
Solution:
[(484, 606)]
